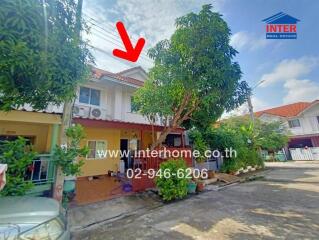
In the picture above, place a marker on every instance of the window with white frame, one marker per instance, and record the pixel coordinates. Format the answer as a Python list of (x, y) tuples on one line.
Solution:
[(294, 123), (89, 96), (97, 149)]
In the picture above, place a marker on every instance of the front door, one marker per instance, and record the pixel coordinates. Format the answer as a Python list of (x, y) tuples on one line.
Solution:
[(124, 150)]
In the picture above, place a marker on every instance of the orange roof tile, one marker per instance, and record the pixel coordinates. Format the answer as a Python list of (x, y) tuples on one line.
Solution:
[(289, 110)]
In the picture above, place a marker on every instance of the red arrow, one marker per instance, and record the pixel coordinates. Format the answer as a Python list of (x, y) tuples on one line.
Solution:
[(131, 53)]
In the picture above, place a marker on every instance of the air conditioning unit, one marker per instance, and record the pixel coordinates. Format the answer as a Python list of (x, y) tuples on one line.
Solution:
[(79, 111), (96, 113)]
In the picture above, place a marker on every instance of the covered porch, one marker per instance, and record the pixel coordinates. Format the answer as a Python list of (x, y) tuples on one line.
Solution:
[(105, 178), (41, 131)]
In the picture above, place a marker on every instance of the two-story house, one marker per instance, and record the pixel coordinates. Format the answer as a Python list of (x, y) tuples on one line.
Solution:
[(104, 107), (302, 121)]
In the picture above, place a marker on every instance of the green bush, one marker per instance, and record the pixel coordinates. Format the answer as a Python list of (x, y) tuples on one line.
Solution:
[(66, 156), (174, 186), (18, 156)]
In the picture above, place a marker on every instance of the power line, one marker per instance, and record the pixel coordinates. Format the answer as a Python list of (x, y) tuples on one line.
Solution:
[(115, 43), (107, 53), (108, 31)]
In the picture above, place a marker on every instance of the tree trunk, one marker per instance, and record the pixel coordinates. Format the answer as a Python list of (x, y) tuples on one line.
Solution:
[(66, 117)]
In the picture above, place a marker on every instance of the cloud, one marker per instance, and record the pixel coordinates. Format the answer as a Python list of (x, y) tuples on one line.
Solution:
[(289, 69), (300, 90), (153, 20), (244, 40)]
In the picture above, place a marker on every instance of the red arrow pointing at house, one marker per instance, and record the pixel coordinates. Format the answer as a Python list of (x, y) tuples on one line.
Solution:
[(131, 53)]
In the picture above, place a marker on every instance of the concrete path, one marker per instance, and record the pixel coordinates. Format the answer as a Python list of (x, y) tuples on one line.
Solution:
[(284, 205)]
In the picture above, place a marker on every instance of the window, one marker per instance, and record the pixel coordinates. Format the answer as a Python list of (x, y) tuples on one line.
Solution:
[(97, 149), (294, 123), (89, 96), (133, 106), (318, 119)]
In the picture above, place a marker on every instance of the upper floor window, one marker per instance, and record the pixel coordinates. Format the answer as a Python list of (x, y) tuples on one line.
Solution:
[(89, 96), (294, 123), (318, 119)]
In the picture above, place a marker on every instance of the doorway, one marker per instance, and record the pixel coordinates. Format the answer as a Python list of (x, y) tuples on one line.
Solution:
[(124, 150)]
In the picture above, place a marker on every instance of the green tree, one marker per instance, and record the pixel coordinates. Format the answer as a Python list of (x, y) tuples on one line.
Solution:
[(67, 156), (18, 156), (194, 78), (42, 56)]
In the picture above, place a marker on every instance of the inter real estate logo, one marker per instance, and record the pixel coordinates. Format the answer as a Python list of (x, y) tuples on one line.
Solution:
[(281, 26)]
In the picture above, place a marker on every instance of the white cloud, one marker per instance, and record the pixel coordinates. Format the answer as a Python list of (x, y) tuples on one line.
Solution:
[(300, 90), (244, 40), (289, 69), (153, 20)]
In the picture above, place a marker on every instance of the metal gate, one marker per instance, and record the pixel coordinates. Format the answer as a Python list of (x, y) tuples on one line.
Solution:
[(301, 154)]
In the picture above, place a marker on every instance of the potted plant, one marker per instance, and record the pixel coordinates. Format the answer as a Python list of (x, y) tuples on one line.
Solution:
[(200, 186), (191, 187)]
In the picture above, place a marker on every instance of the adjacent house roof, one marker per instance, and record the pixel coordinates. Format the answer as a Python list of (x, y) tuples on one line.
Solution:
[(281, 18), (99, 73), (290, 110)]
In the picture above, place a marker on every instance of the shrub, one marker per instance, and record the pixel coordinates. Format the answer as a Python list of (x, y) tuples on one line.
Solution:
[(174, 186), (66, 156), (18, 157)]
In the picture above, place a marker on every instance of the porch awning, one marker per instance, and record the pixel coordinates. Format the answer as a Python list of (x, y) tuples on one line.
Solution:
[(120, 124)]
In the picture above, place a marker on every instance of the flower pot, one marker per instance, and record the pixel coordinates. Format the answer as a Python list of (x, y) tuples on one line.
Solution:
[(200, 186), (191, 187)]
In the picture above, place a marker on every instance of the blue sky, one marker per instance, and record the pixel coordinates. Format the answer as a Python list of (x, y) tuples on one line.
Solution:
[(290, 68)]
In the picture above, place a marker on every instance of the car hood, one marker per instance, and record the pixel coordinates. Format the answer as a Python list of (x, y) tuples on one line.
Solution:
[(27, 210)]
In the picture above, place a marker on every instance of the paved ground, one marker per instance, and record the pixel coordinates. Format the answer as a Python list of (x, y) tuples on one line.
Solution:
[(284, 205)]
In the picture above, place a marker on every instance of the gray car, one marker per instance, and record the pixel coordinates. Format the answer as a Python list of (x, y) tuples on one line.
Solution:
[(32, 218)]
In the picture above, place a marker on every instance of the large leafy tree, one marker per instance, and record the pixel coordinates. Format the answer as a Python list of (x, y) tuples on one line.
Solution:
[(194, 78), (42, 57)]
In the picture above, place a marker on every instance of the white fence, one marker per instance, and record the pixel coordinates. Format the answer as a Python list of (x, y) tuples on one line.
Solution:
[(311, 153)]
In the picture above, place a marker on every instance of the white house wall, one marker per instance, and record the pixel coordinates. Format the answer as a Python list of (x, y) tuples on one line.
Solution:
[(115, 102), (308, 121)]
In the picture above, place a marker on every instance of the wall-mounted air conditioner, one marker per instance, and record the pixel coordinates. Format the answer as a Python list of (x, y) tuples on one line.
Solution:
[(80, 111), (96, 113)]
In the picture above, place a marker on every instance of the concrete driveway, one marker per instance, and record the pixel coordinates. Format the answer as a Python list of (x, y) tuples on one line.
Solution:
[(284, 205)]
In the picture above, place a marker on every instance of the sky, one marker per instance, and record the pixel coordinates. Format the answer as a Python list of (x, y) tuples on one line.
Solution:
[(289, 69)]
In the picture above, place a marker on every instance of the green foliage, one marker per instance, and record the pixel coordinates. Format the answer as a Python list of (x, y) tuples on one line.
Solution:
[(18, 156), (247, 139), (42, 57), (66, 157), (194, 78), (174, 187), (199, 144), (272, 136)]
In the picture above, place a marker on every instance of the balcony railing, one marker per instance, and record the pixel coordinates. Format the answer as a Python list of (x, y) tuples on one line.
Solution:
[(41, 171)]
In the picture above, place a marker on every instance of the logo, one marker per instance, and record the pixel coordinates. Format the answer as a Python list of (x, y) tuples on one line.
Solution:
[(281, 26)]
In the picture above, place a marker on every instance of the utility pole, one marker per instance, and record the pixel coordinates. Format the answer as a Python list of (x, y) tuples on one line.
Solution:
[(250, 105), (67, 117), (251, 110)]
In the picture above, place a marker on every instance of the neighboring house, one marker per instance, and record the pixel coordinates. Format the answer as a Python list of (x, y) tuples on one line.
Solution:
[(302, 121), (41, 129)]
